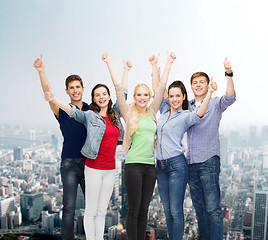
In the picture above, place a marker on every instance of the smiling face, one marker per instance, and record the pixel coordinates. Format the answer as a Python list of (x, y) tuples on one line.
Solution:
[(75, 91), (101, 97), (175, 98), (199, 86), (142, 96)]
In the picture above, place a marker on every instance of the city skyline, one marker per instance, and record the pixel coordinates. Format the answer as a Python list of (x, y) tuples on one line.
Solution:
[(72, 37), (31, 173)]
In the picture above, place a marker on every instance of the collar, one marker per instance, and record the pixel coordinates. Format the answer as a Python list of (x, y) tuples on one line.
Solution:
[(85, 106), (177, 110), (192, 102)]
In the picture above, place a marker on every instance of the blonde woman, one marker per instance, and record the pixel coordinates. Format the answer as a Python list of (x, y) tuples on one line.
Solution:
[(139, 136)]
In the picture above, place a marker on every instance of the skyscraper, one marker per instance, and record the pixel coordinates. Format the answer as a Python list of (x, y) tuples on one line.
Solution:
[(80, 199), (6, 205), (54, 140), (32, 205), (259, 219), (18, 153), (124, 205), (224, 150)]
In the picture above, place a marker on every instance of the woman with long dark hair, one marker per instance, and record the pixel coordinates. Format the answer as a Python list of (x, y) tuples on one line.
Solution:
[(172, 171), (103, 130)]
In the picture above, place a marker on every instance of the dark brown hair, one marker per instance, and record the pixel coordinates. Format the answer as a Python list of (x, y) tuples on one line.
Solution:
[(72, 78), (199, 74), (110, 111), (179, 84)]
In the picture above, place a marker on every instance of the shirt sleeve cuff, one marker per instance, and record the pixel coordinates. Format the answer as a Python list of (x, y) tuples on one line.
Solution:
[(230, 97), (72, 111), (196, 118)]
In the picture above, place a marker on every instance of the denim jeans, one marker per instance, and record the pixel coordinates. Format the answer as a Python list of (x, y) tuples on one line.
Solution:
[(205, 192), (72, 174), (172, 176), (139, 182)]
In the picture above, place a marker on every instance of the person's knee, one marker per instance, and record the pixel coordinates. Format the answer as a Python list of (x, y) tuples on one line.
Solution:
[(69, 208), (214, 211), (176, 214), (133, 212), (91, 212), (213, 203), (101, 212)]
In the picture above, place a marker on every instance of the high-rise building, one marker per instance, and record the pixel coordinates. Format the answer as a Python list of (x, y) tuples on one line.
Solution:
[(259, 218), (264, 165), (253, 140), (80, 224), (224, 150), (4, 222), (116, 190), (48, 221), (124, 203), (18, 153), (54, 142), (234, 138), (112, 232), (264, 133), (247, 224), (7, 205), (111, 219), (18, 217), (32, 205), (80, 199)]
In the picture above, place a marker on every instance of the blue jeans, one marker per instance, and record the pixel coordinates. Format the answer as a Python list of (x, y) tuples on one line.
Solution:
[(172, 175), (72, 174), (205, 193)]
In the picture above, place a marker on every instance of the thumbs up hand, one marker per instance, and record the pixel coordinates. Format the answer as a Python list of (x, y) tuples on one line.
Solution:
[(227, 66), (212, 86)]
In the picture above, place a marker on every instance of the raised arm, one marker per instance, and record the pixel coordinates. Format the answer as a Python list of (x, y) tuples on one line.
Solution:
[(120, 97), (230, 83), (155, 71), (106, 58), (162, 84), (51, 98), (72, 111), (170, 59), (204, 105), (127, 66), (39, 65)]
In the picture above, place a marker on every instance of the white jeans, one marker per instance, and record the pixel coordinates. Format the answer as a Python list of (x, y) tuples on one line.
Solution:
[(99, 188)]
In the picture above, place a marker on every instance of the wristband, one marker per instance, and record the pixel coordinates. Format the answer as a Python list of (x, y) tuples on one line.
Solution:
[(229, 74)]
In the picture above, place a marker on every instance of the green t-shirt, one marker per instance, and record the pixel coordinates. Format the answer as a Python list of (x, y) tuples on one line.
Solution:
[(142, 147)]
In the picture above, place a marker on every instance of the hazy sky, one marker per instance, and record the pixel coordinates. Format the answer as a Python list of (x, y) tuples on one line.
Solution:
[(72, 35)]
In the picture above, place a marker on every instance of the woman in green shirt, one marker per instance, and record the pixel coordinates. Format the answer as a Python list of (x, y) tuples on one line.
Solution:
[(140, 119)]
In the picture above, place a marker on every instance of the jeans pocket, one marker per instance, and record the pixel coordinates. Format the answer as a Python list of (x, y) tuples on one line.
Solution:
[(212, 165), (176, 166)]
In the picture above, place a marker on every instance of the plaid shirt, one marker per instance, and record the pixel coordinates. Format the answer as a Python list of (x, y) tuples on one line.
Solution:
[(203, 137)]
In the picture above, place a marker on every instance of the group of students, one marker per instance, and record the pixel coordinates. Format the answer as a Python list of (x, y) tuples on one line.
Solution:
[(92, 132)]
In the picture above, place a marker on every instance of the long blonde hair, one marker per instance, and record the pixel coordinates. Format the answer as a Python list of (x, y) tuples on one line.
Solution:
[(134, 117)]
